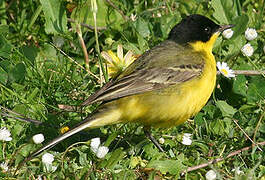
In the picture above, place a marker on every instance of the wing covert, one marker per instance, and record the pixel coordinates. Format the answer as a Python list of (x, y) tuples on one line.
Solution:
[(152, 71)]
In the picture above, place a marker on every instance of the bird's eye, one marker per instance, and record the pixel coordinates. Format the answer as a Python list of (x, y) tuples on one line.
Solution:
[(207, 30)]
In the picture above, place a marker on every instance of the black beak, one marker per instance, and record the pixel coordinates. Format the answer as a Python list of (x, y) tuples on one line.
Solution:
[(224, 27)]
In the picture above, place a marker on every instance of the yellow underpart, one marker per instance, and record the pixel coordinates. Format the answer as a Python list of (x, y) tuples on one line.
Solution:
[(106, 118), (173, 105), (205, 46)]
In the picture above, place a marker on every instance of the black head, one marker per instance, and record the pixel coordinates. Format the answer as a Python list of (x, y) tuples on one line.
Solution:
[(193, 28)]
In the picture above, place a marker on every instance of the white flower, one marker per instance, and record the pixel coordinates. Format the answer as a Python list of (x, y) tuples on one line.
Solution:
[(54, 168), (228, 33), (247, 50), (94, 145), (102, 151), (210, 175), (186, 139), (159, 14), (251, 34), (161, 140), (133, 17), (237, 171), (5, 134), (50, 167), (47, 158), (225, 70), (4, 166), (38, 138)]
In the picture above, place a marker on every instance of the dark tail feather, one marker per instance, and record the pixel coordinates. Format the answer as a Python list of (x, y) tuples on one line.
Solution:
[(104, 116), (89, 122), (85, 124)]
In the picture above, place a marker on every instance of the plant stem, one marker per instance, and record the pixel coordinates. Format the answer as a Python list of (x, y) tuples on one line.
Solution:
[(220, 159), (97, 43)]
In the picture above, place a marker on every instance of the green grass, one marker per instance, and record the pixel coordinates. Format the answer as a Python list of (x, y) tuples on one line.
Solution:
[(42, 66)]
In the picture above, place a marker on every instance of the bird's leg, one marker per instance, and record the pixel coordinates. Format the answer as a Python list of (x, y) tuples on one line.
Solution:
[(149, 135)]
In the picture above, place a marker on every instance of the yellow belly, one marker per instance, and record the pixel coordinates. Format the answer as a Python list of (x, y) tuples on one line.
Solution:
[(171, 106)]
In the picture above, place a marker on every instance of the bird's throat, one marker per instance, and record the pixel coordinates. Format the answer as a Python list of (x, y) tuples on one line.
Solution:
[(205, 46)]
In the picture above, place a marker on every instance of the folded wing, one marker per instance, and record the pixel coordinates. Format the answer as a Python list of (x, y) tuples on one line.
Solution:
[(152, 71)]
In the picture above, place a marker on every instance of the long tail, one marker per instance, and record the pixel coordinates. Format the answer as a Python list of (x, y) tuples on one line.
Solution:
[(84, 125), (96, 120)]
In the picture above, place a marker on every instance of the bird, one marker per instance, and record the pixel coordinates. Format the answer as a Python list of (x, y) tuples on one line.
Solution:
[(164, 87)]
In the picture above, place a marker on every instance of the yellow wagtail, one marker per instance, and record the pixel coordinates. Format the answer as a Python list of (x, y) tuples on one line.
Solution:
[(164, 87)]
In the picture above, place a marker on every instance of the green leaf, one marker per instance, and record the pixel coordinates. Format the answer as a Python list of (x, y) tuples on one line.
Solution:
[(18, 87), (233, 47), (33, 95), (225, 108), (220, 12), (134, 48), (18, 73), (49, 52), (262, 128), (199, 119), (82, 158), (84, 14), (20, 108), (5, 47), (105, 15), (110, 139), (142, 27), (6, 65), (30, 52), (142, 42), (135, 161), (202, 146), (25, 150), (3, 76), (256, 89), (217, 127), (241, 23), (151, 151), (247, 107), (55, 16), (228, 127), (116, 156), (167, 166), (210, 110), (114, 19), (19, 159), (239, 85), (125, 174), (17, 129), (4, 29), (168, 22)]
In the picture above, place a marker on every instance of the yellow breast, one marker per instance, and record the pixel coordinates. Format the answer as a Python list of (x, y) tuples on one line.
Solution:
[(187, 102), (165, 109)]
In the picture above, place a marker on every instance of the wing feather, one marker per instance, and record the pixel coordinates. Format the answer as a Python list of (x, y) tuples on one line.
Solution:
[(152, 71)]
